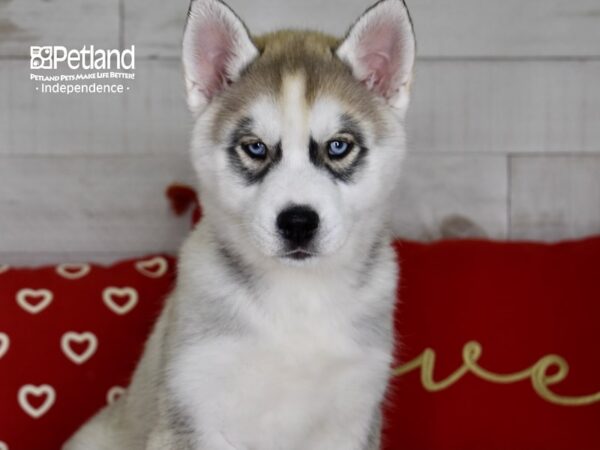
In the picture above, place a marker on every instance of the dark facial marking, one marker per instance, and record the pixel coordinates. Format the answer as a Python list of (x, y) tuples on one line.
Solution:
[(318, 153), (369, 264), (314, 153), (180, 422), (236, 266), (249, 174), (351, 126)]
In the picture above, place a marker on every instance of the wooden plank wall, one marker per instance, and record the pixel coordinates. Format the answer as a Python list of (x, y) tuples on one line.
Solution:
[(504, 128)]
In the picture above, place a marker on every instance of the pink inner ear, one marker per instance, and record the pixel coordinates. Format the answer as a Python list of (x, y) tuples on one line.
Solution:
[(213, 51), (381, 55)]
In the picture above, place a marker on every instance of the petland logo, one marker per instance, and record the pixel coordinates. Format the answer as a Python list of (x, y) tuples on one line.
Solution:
[(58, 70), (87, 58)]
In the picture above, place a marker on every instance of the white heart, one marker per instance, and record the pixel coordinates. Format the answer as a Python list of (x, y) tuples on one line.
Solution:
[(36, 391), (3, 268), (73, 271), (110, 292), (24, 298), (154, 267), (4, 345), (114, 393), (70, 337), (3, 446)]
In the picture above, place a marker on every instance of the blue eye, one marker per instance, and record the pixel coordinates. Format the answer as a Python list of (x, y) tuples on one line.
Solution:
[(255, 149), (338, 149)]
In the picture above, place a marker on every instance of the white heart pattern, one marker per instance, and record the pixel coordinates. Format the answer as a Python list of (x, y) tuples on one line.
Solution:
[(73, 271), (3, 269), (3, 446), (111, 294), (45, 391), (154, 267), (34, 301), (114, 393), (4, 345), (79, 357)]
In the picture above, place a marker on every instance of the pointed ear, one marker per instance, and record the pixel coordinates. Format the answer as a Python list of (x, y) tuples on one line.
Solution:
[(380, 49), (216, 48)]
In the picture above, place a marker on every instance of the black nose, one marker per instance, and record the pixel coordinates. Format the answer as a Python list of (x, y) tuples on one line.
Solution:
[(298, 224)]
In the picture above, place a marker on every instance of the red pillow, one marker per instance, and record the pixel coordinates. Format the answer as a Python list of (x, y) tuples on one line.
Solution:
[(70, 337), (516, 303)]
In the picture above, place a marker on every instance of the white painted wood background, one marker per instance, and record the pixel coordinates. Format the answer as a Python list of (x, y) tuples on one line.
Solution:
[(504, 126)]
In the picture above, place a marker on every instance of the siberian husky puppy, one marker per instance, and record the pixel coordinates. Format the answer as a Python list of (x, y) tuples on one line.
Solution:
[(278, 335)]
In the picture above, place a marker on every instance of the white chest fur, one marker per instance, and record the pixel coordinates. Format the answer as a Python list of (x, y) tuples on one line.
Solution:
[(285, 360), (297, 384), (254, 394)]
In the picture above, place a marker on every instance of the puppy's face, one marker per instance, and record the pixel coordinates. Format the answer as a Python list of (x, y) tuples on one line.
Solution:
[(297, 154)]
